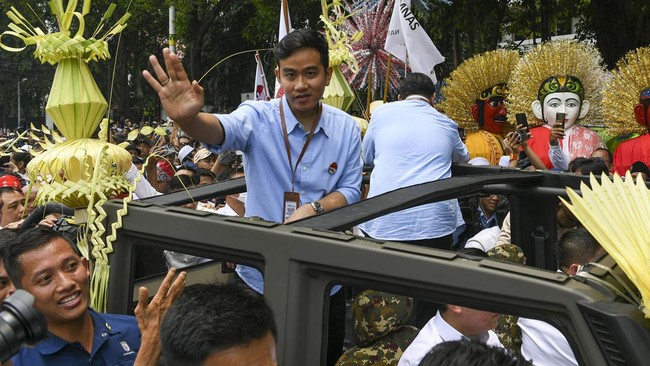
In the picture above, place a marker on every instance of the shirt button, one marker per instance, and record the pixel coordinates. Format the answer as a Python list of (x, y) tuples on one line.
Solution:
[(104, 334), (304, 168), (302, 192)]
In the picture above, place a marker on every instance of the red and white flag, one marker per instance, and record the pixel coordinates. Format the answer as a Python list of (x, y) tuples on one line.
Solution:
[(408, 41), (261, 89), (285, 28)]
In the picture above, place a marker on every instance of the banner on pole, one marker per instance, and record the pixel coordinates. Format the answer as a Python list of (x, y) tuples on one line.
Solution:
[(407, 40)]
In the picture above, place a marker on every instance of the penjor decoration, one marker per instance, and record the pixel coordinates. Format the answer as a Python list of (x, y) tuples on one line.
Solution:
[(338, 93), (81, 172)]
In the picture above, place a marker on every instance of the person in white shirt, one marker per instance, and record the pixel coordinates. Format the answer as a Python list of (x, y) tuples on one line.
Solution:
[(452, 323), (542, 343)]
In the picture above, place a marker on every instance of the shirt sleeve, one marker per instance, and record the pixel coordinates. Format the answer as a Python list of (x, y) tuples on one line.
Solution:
[(558, 159), (349, 185), (461, 154), (237, 127), (368, 146)]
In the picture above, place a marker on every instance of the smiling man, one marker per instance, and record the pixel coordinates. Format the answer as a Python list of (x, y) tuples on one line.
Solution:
[(42, 262), (301, 157), (289, 144)]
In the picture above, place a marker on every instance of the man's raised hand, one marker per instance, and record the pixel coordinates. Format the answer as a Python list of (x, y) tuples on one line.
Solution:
[(181, 98)]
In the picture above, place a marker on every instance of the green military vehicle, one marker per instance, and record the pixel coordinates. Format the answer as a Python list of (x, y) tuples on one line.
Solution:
[(303, 260)]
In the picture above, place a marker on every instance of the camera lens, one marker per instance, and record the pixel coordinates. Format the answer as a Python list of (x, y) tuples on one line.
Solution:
[(19, 323)]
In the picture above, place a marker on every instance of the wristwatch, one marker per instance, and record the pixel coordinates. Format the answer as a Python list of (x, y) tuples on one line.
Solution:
[(317, 207)]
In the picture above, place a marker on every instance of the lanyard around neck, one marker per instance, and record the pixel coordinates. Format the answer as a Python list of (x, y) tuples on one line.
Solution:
[(304, 147)]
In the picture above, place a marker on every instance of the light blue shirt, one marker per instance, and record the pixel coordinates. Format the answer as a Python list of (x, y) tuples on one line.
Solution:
[(409, 142), (256, 129)]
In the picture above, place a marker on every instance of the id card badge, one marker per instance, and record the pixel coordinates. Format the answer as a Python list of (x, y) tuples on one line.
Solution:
[(291, 204)]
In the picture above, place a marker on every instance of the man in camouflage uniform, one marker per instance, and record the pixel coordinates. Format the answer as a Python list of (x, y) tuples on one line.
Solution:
[(507, 330), (379, 328)]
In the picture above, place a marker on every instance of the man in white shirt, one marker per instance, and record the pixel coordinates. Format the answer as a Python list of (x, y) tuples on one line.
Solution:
[(452, 323), (542, 343)]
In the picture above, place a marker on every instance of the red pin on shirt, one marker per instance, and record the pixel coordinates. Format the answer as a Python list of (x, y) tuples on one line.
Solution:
[(332, 168)]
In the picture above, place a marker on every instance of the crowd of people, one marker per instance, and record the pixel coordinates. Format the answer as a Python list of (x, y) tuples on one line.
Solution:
[(302, 158)]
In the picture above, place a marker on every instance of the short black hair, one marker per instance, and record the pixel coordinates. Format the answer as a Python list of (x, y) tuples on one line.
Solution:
[(576, 246), (210, 318), (202, 172), (19, 156), (181, 182), (610, 157), (471, 353), (640, 167), (302, 38), (584, 166), (416, 83), (28, 240)]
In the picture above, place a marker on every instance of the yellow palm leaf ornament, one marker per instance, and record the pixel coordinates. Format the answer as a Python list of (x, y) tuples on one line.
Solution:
[(80, 172), (338, 93), (616, 213)]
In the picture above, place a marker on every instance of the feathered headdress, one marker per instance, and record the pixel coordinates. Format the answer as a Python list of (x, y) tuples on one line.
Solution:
[(579, 60), (621, 92), (479, 74)]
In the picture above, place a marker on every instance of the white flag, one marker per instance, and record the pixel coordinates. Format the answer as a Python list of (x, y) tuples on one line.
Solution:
[(407, 41), (285, 28), (261, 89)]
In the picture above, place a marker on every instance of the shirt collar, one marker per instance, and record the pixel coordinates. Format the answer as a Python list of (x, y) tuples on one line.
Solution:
[(293, 123), (449, 333), (446, 331), (53, 344), (487, 220), (417, 97)]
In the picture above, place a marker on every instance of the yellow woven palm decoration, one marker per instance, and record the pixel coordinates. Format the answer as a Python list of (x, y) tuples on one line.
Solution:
[(473, 76), (621, 92), (338, 93), (616, 213), (81, 172), (578, 59)]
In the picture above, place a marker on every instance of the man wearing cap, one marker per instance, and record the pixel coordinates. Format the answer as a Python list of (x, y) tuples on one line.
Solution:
[(185, 154), (11, 195), (144, 145), (133, 150), (205, 159)]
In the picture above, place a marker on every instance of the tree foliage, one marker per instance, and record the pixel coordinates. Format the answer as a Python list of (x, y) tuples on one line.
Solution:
[(209, 31)]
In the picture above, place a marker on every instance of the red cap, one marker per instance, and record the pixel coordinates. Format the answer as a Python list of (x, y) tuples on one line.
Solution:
[(10, 181)]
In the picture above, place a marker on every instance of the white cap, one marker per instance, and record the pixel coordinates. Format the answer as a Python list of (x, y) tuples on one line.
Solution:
[(184, 152)]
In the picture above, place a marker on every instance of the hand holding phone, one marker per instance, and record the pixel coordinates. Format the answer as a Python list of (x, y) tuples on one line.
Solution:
[(523, 121), (559, 118)]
